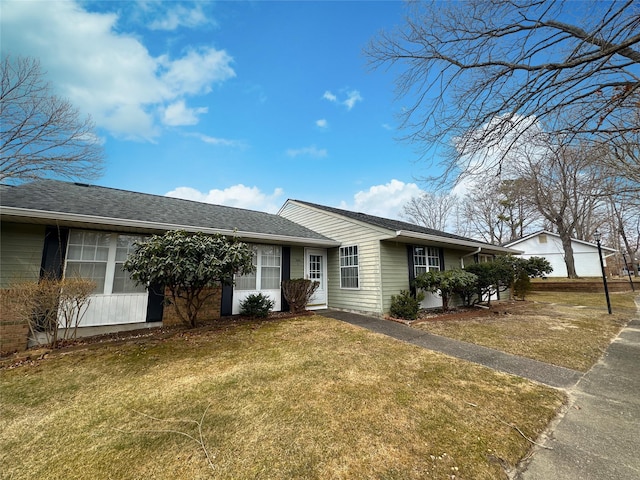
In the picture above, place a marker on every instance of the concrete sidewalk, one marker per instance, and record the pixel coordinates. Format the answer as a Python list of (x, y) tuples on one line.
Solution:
[(597, 438)]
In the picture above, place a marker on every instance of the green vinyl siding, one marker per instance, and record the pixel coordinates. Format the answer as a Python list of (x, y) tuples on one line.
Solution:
[(452, 259), (383, 261), (393, 256), (21, 247), (367, 297), (297, 262)]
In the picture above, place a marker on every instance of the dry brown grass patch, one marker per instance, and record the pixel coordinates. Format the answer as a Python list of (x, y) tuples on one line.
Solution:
[(560, 328), (304, 398)]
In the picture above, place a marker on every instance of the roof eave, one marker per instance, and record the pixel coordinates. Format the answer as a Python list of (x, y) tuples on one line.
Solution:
[(406, 235), (82, 219)]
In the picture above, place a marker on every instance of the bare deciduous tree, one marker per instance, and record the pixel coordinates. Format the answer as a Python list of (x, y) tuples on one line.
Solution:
[(498, 210), (431, 210), (623, 161), (565, 185), (42, 135), (481, 210), (621, 224), (477, 72), (625, 221)]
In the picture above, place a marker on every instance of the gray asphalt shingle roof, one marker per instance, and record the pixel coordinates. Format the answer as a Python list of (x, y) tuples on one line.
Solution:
[(394, 225), (95, 201)]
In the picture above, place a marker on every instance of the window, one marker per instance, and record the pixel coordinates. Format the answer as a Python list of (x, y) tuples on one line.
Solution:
[(349, 269), (315, 268), (99, 256), (485, 258), (267, 260), (425, 259), (542, 238), (269, 267), (122, 282), (87, 256)]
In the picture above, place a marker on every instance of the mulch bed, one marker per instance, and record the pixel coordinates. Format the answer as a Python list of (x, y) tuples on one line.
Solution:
[(503, 307)]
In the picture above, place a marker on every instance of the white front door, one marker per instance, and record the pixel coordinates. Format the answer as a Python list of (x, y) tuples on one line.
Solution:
[(315, 268)]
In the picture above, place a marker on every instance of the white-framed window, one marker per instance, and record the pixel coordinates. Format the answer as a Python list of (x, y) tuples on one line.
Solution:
[(425, 259), (485, 258), (99, 256), (267, 260), (87, 256), (349, 267), (122, 282)]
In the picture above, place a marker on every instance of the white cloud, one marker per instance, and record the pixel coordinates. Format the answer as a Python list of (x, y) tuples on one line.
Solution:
[(180, 16), (221, 142), (311, 151), (197, 70), (352, 97), (330, 96), (322, 123), (383, 200), (239, 196), (107, 72), (179, 114)]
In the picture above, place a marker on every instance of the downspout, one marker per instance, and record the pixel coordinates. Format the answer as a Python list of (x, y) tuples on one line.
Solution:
[(468, 255)]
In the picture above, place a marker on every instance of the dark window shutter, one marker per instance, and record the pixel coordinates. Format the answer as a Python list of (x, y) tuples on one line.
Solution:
[(412, 270), (155, 305), (53, 252), (226, 306), (286, 275)]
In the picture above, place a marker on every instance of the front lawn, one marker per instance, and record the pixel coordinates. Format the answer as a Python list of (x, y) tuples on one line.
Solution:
[(309, 398), (568, 329)]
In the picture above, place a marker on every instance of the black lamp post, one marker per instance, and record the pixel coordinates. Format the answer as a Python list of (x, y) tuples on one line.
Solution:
[(597, 235)]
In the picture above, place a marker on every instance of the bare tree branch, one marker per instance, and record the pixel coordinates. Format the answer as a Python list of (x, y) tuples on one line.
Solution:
[(42, 135), (431, 210), (495, 66)]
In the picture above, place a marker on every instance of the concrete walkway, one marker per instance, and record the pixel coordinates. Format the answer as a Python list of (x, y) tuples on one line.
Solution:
[(597, 438)]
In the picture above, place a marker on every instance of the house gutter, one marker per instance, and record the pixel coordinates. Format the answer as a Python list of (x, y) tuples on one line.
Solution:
[(468, 255), (150, 226), (455, 241)]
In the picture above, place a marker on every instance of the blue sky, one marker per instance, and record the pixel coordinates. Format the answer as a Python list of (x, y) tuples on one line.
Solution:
[(237, 103)]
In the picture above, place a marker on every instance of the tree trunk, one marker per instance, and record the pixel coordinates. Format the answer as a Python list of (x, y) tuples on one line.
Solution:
[(569, 261), (445, 301), (620, 226)]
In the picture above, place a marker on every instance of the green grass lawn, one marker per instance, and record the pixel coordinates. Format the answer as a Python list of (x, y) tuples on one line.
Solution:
[(562, 328), (309, 398)]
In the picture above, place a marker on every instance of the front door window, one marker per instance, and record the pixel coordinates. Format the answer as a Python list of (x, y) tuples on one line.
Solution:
[(315, 267)]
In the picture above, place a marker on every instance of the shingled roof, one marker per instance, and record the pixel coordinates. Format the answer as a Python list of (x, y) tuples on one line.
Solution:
[(73, 203), (406, 229), (388, 223)]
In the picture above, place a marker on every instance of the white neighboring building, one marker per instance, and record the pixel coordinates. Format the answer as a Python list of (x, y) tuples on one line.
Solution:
[(548, 245)]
